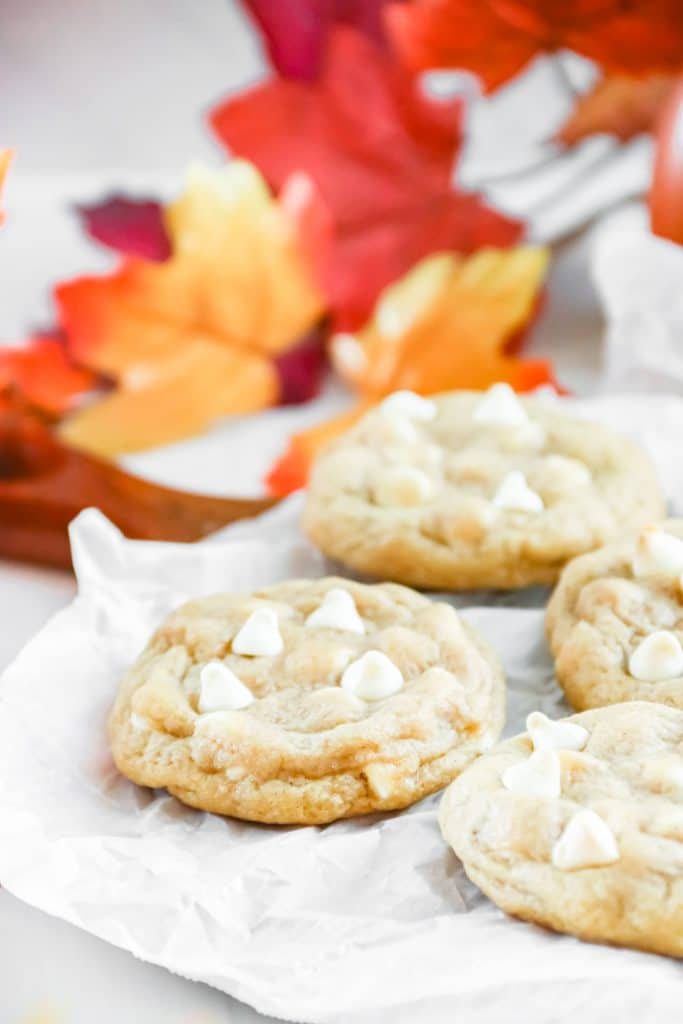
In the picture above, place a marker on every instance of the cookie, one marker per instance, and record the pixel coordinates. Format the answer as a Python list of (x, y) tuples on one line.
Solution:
[(307, 701), (615, 621), (470, 490), (578, 825)]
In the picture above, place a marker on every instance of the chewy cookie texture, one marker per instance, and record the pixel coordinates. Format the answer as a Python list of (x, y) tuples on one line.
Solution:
[(577, 825), (308, 701), (615, 621), (468, 490)]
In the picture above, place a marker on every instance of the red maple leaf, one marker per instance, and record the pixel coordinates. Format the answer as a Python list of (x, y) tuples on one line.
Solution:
[(496, 38), (301, 368), (42, 372), (381, 154), (295, 33)]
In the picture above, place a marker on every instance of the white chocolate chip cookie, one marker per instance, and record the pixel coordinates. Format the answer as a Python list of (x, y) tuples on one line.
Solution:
[(307, 701), (588, 841), (615, 621), (469, 490)]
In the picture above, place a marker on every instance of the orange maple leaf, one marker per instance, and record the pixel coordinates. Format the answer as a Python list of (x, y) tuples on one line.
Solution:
[(290, 472), (40, 371), (619, 105), (497, 39), (446, 324), (194, 337)]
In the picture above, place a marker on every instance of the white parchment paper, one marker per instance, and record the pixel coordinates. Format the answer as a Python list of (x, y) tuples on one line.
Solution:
[(371, 919)]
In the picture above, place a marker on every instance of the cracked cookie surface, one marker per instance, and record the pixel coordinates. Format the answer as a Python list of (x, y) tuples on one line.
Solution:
[(615, 621), (601, 857), (461, 498), (300, 746)]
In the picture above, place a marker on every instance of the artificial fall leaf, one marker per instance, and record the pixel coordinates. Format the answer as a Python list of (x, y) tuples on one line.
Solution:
[(290, 471), (182, 394), (447, 325), (44, 484), (132, 227), (495, 39), (619, 105), (380, 152), (295, 32), (302, 367), (194, 337), (235, 276), (43, 375)]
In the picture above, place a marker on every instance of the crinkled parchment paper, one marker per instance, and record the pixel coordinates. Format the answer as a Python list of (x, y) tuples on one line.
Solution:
[(372, 919)]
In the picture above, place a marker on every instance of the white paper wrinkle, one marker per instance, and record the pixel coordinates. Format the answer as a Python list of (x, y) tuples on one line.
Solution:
[(371, 919)]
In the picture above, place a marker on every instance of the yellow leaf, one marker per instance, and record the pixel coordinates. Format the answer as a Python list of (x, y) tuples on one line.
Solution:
[(234, 293), (181, 396), (446, 325)]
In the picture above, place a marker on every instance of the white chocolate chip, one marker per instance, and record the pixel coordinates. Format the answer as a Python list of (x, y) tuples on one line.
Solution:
[(403, 486), (659, 656), (500, 407), (527, 436), (548, 735), (469, 523), (337, 611), (410, 404), (538, 775), (221, 690), (382, 779), (515, 494), (373, 676), (260, 634), (657, 553), (587, 842), (393, 428)]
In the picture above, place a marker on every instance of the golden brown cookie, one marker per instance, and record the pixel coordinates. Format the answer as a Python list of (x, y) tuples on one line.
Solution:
[(615, 621), (579, 826), (474, 490), (307, 701)]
